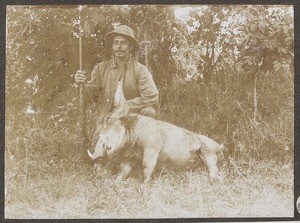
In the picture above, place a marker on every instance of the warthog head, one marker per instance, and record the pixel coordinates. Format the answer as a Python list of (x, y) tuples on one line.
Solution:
[(110, 140)]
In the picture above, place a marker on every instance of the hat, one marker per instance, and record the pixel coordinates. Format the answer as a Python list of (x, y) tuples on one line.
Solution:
[(122, 30)]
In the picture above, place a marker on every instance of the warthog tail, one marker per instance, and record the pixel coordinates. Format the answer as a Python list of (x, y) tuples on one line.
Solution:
[(221, 147), (220, 150)]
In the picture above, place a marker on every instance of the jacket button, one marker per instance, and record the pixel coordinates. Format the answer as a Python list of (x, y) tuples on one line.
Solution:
[(107, 100)]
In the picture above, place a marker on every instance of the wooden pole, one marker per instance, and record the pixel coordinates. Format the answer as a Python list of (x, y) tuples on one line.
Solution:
[(81, 95)]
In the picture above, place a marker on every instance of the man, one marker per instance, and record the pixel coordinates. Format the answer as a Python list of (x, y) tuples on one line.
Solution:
[(122, 84)]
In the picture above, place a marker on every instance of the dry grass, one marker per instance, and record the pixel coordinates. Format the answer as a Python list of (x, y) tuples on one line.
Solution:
[(264, 189)]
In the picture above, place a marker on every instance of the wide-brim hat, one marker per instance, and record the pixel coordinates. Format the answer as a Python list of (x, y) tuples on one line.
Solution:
[(122, 30)]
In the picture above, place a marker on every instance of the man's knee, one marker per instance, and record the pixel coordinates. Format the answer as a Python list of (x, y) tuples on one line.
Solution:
[(148, 111)]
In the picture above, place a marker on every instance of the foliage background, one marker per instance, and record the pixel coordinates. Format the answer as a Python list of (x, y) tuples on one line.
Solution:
[(224, 71)]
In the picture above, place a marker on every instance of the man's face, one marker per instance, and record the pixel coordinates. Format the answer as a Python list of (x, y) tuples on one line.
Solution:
[(121, 47)]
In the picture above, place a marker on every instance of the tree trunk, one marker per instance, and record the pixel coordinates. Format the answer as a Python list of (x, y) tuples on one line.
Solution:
[(146, 49), (255, 97), (137, 52)]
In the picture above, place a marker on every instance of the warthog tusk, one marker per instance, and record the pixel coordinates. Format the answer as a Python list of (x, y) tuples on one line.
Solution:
[(90, 154)]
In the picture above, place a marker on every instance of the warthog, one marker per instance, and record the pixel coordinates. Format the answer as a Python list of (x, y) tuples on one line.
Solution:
[(152, 141)]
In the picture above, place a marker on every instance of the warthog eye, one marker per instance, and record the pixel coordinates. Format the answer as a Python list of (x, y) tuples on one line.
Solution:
[(101, 137)]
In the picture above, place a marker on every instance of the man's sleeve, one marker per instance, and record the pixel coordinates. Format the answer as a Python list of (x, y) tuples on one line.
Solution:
[(147, 89), (94, 83), (93, 87)]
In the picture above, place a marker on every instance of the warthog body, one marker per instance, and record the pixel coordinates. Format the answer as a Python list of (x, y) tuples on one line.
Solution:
[(153, 141)]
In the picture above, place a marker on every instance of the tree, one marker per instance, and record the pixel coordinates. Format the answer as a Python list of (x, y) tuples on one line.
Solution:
[(42, 45), (34, 44), (265, 44)]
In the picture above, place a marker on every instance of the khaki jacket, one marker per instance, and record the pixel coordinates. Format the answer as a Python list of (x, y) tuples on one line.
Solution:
[(139, 88)]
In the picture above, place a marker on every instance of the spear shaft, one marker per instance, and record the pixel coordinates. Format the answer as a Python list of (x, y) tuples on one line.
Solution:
[(81, 96)]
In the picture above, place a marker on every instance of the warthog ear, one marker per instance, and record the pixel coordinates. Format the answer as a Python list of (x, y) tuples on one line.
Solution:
[(129, 121), (121, 111), (107, 116)]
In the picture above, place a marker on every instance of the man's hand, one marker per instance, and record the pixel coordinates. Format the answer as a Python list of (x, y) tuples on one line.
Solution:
[(120, 111), (80, 76)]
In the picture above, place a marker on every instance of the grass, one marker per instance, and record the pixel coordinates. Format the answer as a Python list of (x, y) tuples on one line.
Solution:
[(64, 188)]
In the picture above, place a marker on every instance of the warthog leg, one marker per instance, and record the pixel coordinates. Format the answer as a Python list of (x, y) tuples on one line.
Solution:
[(211, 162), (125, 170), (149, 162)]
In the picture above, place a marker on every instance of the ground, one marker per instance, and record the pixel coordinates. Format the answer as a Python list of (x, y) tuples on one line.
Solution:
[(62, 189)]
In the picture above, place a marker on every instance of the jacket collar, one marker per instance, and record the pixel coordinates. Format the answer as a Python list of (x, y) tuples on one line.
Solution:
[(114, 63)]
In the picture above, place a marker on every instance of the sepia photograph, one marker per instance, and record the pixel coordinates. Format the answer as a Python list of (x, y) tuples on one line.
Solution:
[(149, 111)]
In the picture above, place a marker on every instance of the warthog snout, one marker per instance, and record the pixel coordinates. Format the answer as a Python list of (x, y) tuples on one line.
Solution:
[(99, 148)]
